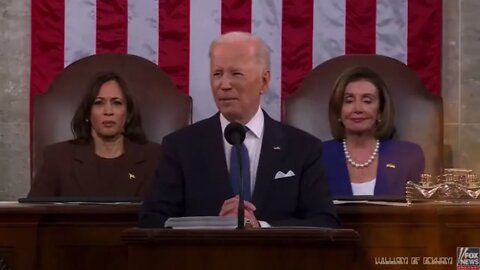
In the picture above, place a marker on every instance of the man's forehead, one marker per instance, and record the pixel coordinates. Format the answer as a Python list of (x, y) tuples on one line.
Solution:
[(234, 47), (232, 58), (232, 62)]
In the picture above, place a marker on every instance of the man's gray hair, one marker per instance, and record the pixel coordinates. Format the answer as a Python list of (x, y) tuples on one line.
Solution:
[(262, 51)]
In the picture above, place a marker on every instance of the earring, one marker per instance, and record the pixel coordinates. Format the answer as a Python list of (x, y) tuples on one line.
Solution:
[(339, 120), (379, 120), (86, 120)]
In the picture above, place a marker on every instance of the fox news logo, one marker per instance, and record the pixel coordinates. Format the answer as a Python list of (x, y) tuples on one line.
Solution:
[(468, 258)]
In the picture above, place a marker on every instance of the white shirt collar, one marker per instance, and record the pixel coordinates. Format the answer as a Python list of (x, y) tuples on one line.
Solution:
[(255, 125)]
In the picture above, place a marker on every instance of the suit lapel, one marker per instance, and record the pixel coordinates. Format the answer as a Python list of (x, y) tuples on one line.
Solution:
[(271, 153), (84, 168), (381, 185), (134, 154), (213, 152), (343, 177)]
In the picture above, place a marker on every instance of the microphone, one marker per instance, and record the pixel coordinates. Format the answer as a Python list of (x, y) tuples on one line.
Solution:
[(235, 135)]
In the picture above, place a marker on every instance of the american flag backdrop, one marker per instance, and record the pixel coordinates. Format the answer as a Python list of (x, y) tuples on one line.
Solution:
[(176, 34)]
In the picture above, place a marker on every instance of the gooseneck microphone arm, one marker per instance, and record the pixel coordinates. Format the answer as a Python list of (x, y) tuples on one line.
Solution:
[(235, 135), (241, 202)]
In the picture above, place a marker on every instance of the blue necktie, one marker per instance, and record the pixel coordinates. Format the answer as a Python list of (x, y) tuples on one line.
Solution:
[(235, 171)]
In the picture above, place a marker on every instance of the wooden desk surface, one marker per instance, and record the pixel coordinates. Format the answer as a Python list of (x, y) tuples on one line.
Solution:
[(42, 236), (431, 233)]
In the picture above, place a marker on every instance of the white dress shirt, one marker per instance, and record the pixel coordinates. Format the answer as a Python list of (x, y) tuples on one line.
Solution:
[(253, 142), (366, 188)]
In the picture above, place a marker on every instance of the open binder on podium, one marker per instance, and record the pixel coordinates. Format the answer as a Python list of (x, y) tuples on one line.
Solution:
[(201, 222)]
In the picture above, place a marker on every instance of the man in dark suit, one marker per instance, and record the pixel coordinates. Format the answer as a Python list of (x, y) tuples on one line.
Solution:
[(286, 182)]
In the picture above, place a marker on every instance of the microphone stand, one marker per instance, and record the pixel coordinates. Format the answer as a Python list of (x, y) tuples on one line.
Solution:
[(241, 203), (235, 134)]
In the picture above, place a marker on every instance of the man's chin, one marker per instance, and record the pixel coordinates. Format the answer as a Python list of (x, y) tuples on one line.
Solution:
[(230, 115)]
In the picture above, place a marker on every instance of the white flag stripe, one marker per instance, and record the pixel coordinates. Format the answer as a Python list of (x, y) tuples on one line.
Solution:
[(80, 30), (143, 29), (328, 38), (205, 17), (267, 23), (391, 29), (328, 30)]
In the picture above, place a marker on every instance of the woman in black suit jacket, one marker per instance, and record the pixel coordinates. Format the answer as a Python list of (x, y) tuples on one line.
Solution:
[(110, 155)]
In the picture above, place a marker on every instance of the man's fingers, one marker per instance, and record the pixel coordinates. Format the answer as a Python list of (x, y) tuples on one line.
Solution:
[(230, 206)]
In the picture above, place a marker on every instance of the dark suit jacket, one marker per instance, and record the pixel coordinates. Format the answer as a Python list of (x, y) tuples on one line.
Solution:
[(399, 161), (72, 170), (192, 178)]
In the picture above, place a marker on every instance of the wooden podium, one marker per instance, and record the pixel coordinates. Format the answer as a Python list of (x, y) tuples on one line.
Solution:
[(241, 249), (90, 237)]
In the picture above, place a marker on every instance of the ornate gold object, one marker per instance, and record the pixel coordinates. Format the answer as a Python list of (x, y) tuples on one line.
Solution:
[(454, 185)]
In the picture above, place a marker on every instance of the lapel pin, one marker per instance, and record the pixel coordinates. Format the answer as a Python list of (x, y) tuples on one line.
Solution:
[(131, 176), (276, 148), (390, 165)]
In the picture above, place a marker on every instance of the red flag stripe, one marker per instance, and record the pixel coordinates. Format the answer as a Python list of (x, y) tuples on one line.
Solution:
[(47, 19), (174, 41), (112, 28), (360, 26), (47, 42), (174, 52), (297, 27), (424, 41), (236, 16)]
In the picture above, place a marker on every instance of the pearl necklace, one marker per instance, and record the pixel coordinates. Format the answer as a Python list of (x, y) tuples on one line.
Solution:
[(360, 165)]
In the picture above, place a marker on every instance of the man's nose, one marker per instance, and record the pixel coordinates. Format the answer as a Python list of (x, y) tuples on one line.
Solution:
[(225, 83)]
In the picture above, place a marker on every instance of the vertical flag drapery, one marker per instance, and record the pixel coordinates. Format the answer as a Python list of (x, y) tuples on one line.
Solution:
[(176, 34)]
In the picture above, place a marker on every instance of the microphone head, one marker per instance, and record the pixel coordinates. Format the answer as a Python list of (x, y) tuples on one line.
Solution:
[(235, 133)]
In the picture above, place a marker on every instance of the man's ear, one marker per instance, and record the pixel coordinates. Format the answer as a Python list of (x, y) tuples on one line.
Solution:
[(265, 80)]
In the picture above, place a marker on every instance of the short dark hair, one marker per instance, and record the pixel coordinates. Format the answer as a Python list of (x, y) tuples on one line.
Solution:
[(385, 128), (80, 125)]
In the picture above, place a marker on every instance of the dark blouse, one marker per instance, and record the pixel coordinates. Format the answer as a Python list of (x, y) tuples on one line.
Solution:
[(72, 170)]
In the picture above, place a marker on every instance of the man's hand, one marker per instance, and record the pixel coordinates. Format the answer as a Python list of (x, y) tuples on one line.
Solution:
[(230, 208)]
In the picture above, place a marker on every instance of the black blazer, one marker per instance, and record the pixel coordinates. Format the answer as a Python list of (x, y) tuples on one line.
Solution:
[(192, 178), (71, 170)]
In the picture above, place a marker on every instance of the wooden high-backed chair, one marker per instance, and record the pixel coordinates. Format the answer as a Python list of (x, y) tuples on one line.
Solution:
[(163, 107)]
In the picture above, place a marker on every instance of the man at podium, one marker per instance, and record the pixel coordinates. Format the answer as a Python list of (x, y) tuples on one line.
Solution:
[(284, 182)]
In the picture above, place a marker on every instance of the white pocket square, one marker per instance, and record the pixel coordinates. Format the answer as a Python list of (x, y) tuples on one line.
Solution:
[(280, 174)]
